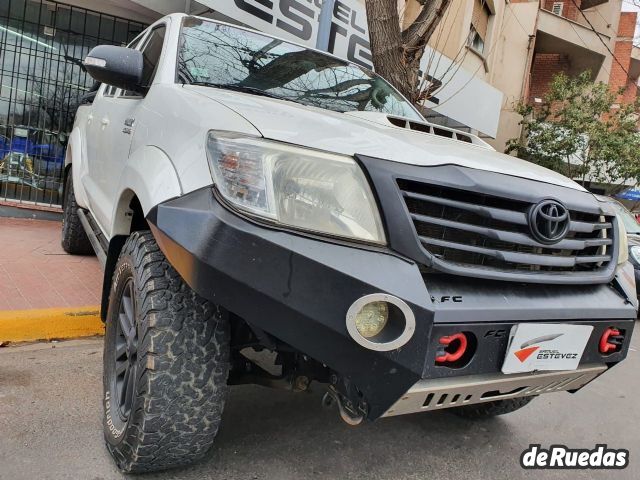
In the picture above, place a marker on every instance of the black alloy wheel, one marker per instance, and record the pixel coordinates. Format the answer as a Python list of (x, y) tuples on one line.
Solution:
[(126, 352)]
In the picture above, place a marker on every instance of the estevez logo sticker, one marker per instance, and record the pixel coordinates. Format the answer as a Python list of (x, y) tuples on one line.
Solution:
[(561, 457), (545, 347)]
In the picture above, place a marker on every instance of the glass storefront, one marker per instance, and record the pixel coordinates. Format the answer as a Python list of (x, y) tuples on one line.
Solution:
[(42, 81)]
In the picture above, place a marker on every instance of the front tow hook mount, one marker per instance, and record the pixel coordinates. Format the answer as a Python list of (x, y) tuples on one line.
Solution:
[(345, 407)]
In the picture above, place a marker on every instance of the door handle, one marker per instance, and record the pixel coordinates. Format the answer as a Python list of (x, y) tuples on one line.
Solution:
[(104, 122)]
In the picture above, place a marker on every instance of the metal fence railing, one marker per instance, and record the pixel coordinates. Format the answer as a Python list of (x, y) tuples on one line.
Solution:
[(42, 44)]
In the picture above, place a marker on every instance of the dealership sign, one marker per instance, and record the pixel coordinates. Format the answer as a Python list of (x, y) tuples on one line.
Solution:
[(462, 97)]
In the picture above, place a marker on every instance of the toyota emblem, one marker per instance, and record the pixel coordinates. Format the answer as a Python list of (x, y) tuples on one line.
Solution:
[(549, 221)]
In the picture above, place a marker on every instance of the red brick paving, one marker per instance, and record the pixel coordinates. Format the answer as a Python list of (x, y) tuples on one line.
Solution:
[(36, 273)]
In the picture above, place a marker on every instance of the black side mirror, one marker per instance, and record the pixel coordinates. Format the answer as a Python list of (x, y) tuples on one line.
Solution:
[(117, 66)]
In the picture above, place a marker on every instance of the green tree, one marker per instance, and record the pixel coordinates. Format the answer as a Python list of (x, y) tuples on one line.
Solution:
[(581, 131)]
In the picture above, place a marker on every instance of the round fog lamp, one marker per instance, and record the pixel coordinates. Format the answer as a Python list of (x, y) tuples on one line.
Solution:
[(380, 322), (372, 318)]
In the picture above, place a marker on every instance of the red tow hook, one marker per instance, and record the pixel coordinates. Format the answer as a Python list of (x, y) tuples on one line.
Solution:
[(459, 352), (611, 341)]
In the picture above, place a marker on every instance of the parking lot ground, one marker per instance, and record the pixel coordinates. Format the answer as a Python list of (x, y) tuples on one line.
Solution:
[(50, 427), (35, 273)]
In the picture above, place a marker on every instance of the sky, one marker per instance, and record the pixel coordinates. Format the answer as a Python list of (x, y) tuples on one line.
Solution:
[(633, 6), (630, 5)]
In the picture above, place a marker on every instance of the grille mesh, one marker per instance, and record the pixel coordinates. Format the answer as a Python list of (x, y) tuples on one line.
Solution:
[(483, 231)]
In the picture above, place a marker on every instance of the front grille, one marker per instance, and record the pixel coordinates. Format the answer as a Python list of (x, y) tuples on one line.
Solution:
[(478, 231)]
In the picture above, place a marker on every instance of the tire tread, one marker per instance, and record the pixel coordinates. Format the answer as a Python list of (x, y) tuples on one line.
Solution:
[(183, 353), (74, 239)]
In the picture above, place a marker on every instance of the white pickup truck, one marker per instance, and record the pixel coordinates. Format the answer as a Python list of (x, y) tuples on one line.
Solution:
[(267, 213)]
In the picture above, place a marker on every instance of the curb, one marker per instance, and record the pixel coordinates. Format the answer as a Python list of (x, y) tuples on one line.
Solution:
[(50, 324)]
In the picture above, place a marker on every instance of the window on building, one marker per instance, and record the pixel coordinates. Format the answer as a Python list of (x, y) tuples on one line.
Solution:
[(557, 8), (475, 40), (479, 25)]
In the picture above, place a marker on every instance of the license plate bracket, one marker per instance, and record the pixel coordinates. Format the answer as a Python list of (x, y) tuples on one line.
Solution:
[(545, 347)]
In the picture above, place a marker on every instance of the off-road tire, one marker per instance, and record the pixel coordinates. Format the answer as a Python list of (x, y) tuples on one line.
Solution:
[(180, 367), (74, 238), (491, 409)]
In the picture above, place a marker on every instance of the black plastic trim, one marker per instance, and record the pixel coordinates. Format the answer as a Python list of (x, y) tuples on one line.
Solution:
[(403, 237)]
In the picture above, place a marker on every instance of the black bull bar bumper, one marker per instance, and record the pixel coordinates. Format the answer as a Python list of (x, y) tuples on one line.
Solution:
[(299, 288)]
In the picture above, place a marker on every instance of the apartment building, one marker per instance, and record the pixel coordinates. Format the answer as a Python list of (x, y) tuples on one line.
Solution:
[(518, 46)]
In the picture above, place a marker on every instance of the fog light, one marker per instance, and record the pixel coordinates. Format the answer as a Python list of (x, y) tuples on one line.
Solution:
[(372, 318), (380, 322)]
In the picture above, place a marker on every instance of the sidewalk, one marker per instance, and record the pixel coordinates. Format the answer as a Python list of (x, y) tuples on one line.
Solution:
[(35, 273)]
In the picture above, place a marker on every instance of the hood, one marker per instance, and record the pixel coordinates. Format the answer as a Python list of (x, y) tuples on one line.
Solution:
[(370, 135)]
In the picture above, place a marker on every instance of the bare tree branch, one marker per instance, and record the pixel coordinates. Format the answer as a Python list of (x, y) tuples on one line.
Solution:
[(397, 53), (419, 32)]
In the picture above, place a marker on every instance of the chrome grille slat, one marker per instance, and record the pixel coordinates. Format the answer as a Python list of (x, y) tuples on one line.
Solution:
[(586, 227), (466, 229), (514, 237), (523, 258), (488, 212)]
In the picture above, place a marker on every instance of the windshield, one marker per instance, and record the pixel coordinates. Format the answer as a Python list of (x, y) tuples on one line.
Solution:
[(221, 55), (628, 220)]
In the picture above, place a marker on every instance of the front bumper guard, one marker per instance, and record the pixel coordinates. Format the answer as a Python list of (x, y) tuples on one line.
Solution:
[(428, 395), (299, 289)]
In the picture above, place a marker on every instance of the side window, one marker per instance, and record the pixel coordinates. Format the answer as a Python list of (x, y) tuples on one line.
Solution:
[(151, 51), (151, 54), (134, 43), (110, 91)]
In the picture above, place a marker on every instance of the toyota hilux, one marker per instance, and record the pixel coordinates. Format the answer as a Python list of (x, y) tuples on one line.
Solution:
[(267, 213)]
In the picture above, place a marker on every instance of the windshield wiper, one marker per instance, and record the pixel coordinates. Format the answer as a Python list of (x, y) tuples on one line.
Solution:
[(240, 88)]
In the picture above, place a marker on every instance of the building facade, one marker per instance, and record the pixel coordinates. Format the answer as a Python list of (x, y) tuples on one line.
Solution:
[(42, 44), (484, 58), (518, 46)]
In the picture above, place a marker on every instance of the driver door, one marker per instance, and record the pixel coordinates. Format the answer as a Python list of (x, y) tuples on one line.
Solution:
[(113, 126)]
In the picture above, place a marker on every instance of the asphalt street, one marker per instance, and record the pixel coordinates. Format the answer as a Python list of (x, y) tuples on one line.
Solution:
[(50, 427)]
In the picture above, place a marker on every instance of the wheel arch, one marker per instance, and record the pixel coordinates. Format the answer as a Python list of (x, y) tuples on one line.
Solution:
[(133, 220), (148, 179), (65, 175)]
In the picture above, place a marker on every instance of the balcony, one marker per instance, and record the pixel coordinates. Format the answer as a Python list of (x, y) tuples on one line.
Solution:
[(578, 43)]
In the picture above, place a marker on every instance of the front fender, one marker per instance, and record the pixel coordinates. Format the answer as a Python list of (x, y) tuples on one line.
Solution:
[(149, 175)]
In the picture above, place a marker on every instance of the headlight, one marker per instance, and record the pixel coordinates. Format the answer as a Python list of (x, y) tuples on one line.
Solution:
[(634, 253), (295, 187), (623, 245)]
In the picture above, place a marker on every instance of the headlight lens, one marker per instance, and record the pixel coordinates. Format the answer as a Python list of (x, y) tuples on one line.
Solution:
[(623, 245), (634, 253), (296, 187)]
